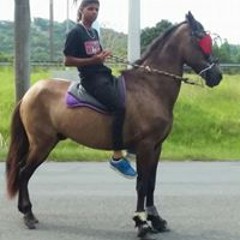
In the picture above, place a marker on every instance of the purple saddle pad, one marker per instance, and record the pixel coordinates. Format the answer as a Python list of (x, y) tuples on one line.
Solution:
[(77, 96)]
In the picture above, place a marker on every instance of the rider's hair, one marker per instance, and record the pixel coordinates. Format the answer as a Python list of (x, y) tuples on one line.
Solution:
[(84, 4)]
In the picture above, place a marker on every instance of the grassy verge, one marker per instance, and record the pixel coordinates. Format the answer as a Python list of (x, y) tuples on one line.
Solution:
[(206, 125)]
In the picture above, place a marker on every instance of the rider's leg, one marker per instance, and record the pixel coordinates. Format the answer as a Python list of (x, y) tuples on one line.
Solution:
[(102, 88)]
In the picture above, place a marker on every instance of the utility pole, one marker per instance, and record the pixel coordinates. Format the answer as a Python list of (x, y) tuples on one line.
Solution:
[(67, 23), (51, 29), (134, 30), (22, 23), (133, 38)]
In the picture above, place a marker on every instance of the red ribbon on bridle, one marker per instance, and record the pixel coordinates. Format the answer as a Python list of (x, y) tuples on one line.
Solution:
[(205, 44)]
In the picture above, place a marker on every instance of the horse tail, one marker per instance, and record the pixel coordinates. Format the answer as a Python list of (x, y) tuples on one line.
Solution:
[(18, 148)]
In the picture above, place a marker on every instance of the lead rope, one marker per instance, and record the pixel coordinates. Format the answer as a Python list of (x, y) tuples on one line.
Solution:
[(153, 70)]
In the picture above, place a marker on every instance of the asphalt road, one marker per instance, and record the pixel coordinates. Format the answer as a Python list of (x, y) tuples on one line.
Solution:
[(89, 201)]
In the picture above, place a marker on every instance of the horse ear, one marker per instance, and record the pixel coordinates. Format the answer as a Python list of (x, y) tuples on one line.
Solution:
[(194, 25), (189, 17), (191, 20)]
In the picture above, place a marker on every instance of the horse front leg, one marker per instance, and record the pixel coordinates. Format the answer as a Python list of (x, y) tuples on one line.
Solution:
[(145, 164), (157, 223)]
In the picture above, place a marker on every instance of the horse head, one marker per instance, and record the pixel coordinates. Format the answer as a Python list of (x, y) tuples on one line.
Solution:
[(185, 43), (198, 53)]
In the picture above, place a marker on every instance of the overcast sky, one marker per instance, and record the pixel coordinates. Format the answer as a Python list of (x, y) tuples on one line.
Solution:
[(221, 17)]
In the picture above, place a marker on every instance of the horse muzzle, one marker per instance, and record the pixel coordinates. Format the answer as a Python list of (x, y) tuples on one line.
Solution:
[(212, 75)]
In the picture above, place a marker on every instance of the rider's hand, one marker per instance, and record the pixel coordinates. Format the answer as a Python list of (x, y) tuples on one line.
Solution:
[(102, 56)]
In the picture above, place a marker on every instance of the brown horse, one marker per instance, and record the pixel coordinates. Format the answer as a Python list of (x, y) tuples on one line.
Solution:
[(41, 119)]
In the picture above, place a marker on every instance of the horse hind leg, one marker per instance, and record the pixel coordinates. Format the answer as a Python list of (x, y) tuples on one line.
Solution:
[(24, 203), (35, 158)]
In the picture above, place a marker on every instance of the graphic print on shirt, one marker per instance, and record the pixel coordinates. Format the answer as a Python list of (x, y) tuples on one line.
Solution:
[(92, 47)]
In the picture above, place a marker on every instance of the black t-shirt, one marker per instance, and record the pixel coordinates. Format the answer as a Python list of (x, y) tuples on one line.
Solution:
[(82, 43)]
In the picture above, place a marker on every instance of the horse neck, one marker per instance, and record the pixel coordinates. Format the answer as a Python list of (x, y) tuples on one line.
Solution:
[(144, 85), (164, 54), (166, 57), (164, 87)]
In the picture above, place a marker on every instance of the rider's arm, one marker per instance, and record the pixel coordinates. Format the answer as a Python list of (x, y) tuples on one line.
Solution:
[(79, 62)]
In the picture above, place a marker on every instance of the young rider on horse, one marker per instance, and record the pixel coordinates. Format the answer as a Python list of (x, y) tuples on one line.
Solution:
[(83, 50)]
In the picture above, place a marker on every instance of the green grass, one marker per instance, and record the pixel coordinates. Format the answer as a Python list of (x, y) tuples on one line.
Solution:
[(206, 125)]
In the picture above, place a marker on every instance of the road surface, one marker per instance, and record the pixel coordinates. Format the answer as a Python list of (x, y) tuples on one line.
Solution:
[(89, 201)]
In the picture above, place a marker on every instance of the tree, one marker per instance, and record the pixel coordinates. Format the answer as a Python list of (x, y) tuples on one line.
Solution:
[(149, 34), (22, 47)]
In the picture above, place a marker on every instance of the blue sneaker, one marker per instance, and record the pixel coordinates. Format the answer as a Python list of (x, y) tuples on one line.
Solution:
[(123, 166)]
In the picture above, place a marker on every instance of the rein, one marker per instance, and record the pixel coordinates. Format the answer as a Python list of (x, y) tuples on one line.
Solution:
[(154, 70)]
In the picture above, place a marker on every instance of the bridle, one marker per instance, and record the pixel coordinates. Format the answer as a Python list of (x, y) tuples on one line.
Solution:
[(204, 42), (203, 72)]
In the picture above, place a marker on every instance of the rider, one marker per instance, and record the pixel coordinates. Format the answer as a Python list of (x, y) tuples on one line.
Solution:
[(83, 50)]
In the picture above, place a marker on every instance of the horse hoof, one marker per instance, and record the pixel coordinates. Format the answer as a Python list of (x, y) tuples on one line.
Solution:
[(30, 220), (142, 225), (144, 230), (29, 223), (158, 224)]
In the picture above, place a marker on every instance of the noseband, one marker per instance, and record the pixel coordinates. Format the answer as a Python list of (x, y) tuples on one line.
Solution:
[(203, 72)]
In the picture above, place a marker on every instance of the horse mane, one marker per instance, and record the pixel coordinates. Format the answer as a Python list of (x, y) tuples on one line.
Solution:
[(159, 41)]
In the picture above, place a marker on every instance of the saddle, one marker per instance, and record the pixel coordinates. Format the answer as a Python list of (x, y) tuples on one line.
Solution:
[(77, 96)]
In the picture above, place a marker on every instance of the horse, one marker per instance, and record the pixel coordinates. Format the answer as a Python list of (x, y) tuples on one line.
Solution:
[(41, 118)]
